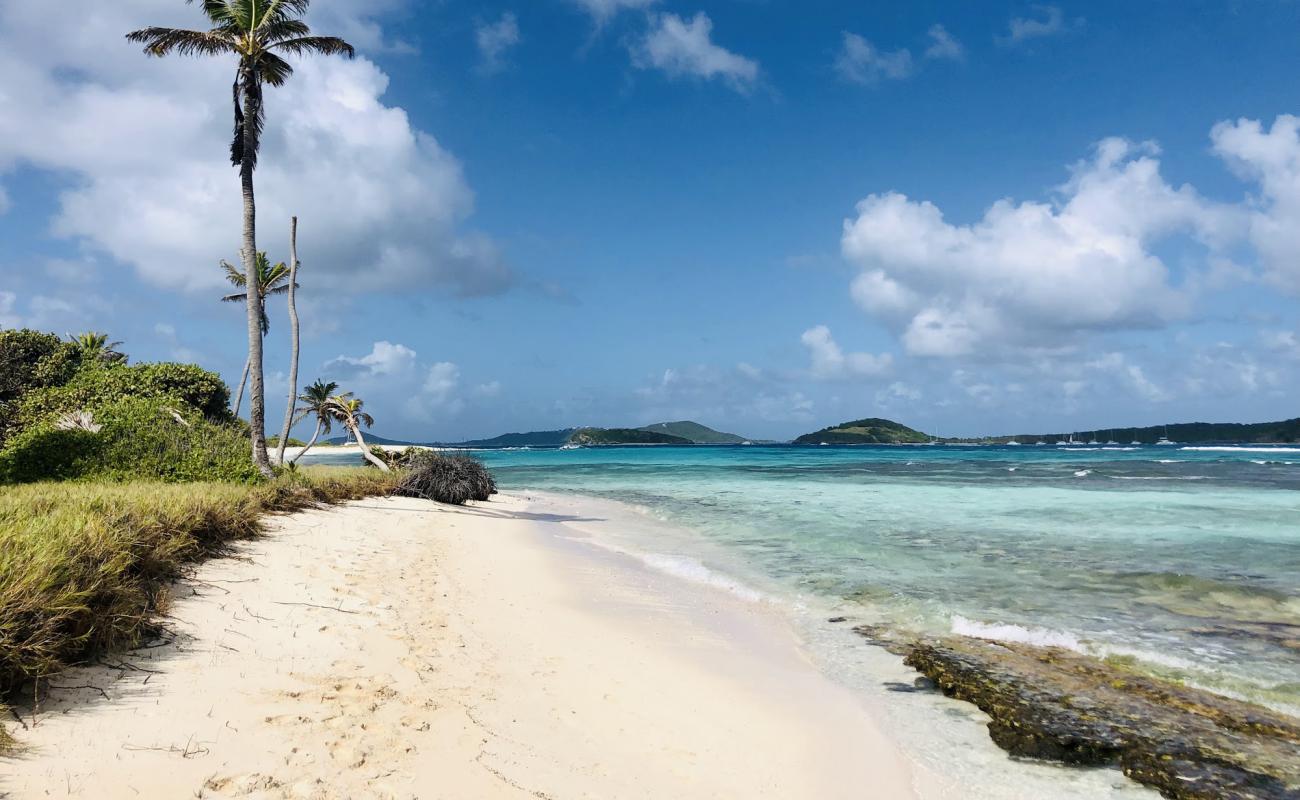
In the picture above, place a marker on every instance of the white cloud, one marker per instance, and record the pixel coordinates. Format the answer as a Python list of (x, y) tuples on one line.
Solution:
[(384, 359), (862, 62), (1285, 343), (943, 46), (1047, 21), (439, 393), (1032, 274), (603, 10), (8, 318), (682, 48), (494, 40), (489, 389), (1272, 159), (146, 141), (829, 362)]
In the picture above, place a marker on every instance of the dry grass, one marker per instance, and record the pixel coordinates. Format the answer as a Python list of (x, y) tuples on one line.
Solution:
[(85, 566)]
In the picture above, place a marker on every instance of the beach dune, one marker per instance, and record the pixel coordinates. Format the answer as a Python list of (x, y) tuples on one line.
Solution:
[(397, 648)]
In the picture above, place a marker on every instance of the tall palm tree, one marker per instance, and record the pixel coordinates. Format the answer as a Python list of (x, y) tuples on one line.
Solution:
[(347, 409), (293, 339), (257, 33), (316, 401), (269, 280), (95, 346)]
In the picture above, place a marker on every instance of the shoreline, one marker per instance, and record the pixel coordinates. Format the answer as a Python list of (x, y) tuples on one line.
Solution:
[(397, 648)]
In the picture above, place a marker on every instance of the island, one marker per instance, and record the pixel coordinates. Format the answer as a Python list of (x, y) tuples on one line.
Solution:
[(865, 431)]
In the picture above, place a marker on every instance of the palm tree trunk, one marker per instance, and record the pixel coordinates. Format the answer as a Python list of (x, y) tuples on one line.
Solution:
[(293, 338), (256, 393), (310, 443), (365, 450), (243, 381)]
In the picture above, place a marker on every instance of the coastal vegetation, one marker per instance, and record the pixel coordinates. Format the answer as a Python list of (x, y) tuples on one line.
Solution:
[(85, 566), (454, 478), (269, 280), (694, 432), (258, 35), (865, 431), (599, 436)]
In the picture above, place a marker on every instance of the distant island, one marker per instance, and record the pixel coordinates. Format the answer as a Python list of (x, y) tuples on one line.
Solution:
[(865, 431), (597, 436), (1283, 432), (695, 433)]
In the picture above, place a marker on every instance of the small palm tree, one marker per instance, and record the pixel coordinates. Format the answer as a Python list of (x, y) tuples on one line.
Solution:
[(269, 280), (315, 401), (94, 346), (348, 409), (257, 33)]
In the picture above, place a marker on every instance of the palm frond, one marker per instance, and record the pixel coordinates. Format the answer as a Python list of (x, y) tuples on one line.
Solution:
[(218, 11), (159, 41), (324, 45), (235, 298), (272, 69), (283, 29), (233, 274)]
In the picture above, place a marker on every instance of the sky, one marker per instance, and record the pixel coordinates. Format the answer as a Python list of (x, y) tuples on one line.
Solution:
[(766, 216)]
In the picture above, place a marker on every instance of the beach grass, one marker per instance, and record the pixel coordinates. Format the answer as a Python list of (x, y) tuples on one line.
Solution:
[(85, 567)]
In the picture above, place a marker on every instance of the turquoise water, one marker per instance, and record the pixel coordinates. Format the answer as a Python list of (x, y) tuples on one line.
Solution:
[(1186, 561)]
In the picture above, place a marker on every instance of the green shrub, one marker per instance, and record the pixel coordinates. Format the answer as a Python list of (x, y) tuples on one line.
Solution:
[(138, 438), (30, 360), (445, 478), (96, 386)]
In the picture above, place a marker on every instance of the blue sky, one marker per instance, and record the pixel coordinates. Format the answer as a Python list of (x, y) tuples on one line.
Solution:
[(767, 216)]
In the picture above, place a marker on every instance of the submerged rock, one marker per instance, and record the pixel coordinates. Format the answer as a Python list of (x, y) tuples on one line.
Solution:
[(1052, 703)]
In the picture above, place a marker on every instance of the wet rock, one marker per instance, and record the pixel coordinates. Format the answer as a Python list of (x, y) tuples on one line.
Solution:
[(1051, 703), (838, 619)]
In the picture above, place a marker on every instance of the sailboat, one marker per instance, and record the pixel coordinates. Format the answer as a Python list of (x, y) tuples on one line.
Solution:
[(1110, 442), (1164, 440), (1093, 441)]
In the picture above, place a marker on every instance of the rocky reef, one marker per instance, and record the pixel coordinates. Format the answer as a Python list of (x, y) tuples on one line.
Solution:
[(1052, 703)]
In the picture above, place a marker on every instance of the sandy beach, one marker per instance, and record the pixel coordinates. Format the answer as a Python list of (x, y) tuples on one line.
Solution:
[(398, 648)]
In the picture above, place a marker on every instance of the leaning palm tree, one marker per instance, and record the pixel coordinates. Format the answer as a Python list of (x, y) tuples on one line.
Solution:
[(269, 280), (94, 346), (258, 33), (316, 402), (347, 409)]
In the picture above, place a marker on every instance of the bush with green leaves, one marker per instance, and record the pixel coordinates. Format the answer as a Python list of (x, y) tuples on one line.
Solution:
[(454, 478), (128, 439), (96, 386), (30, 360)]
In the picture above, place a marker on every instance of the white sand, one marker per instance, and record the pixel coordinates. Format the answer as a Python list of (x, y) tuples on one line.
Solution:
[(396, 648)]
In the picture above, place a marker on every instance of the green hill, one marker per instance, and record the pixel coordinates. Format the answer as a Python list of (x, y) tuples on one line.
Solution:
[(694, 432), (530, 439), (1283, 432), (865, 431), (594, 436)]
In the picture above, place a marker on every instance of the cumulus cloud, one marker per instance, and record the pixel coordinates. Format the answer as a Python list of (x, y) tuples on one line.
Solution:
[(1032, 274), (1046, 21), (859, 61), (439, 393), (685, 48), (943, 46), (1271, 158), (830, 362), (146, 141), (603, 10), (494, 40), (384, 359)]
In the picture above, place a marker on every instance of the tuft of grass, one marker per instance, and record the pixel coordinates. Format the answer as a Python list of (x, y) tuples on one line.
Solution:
[(85, 566)]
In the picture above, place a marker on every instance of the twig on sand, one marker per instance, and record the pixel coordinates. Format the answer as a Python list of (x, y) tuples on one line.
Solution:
[(83, 686), (339, 608)]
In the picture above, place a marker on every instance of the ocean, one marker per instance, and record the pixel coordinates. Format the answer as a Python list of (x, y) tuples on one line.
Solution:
[(1183, 561)]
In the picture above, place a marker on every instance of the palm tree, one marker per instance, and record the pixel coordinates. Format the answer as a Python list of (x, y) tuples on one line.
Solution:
[(95, 346), (257, 33), (269, 280), (293, 339), (347, 409), (316, 401)]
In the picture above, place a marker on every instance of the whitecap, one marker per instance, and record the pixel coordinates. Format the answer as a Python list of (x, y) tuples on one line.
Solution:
[(1083, 473), (1004, 632), (1237, 449)]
